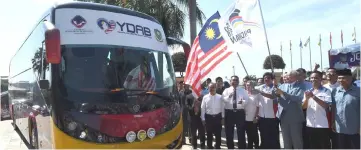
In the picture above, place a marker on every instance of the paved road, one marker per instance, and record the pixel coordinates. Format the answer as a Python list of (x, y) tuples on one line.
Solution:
[(11, 140), (9, 137)]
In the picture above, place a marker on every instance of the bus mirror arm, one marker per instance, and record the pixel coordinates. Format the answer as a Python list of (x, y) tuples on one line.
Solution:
[(44, 84)]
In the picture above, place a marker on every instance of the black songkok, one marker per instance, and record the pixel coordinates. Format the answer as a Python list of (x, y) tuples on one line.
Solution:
[(344, 72)]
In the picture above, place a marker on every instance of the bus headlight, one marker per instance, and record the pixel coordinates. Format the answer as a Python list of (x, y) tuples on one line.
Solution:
[(72, 126), (151, 133), (142, 135), (131, 136)]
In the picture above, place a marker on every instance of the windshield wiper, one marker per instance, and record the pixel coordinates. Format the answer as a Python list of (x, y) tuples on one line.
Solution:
[(141, 92)]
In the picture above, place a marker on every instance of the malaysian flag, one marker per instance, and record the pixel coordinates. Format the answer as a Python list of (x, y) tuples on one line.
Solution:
[(141, 77), (208, 50)]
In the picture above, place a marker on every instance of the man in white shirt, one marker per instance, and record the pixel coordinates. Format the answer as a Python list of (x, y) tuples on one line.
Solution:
[(268, 123), (235, 99), (212, 114), (316, 101), (332, 84), (251, 116), (332, 79)]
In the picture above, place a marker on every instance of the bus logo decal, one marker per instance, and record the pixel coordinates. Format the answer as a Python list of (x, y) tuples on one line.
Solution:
[(158, 35), (105, 25), (136, 108), (78, 21)]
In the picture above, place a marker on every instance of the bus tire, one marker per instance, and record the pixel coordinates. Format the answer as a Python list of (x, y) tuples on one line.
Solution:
[(34, 136)]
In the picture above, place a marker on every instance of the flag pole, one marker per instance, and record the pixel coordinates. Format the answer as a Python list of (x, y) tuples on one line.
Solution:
[(301, 52), (354, 31), (341, 38), (265, 33), (281, 55), (309, 47), (234, 72), (291, 55), (242, 64), (321, 53)]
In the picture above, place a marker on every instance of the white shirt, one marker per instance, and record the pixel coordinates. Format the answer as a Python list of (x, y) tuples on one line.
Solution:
[(212, 105), (266, 104), (252, 105), (316, 114), (241, 95), (331, 86)]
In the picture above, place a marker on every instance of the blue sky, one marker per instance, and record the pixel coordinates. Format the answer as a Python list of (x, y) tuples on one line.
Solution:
[(285, 20)]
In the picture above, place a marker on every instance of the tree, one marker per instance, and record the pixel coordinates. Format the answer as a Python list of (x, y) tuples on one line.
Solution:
[(277, 61), (251, 77), (170, 13), (179, 62), (37, 62)]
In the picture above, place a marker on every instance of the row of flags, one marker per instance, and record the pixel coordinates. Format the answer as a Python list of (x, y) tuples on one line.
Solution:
[(238, 28), (241, 27), (319, 41)]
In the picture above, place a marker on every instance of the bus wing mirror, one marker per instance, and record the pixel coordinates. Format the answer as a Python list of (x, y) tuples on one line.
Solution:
[(44, 84), (52, 43)]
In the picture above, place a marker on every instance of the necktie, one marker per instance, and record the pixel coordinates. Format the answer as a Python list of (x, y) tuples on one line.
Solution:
[(234, 99)]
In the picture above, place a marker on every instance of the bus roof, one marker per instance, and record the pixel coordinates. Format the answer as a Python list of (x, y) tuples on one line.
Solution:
[(103, 7)]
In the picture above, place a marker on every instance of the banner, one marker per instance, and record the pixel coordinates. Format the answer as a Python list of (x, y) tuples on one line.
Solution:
[(345, 57), (241, 25)]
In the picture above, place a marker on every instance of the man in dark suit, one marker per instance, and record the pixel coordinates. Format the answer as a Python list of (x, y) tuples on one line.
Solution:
[(219, 85), (194, 107)]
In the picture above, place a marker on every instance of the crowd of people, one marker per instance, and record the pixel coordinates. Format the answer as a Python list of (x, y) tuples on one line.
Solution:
[(310, 114)]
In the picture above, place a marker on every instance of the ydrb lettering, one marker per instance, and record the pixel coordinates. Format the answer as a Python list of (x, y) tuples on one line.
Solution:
[(134, 29)]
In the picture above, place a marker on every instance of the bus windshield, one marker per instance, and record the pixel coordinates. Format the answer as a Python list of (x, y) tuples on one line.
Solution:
[(113, 74)]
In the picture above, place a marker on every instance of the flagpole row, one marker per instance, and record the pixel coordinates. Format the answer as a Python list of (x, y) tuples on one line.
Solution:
[(265, 32)]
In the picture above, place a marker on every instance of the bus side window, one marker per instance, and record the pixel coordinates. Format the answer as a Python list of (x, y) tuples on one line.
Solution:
[(45, 74)]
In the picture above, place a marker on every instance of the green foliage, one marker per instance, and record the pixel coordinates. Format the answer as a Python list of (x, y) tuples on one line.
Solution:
[(251, 77), (277, 61), (179, 62)]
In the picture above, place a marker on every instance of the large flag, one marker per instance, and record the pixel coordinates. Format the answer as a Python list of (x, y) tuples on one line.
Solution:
[(241, 25), (208, 50), (307, 41)]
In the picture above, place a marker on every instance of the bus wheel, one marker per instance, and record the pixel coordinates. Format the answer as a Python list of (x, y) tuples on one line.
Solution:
[(34, 136)]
